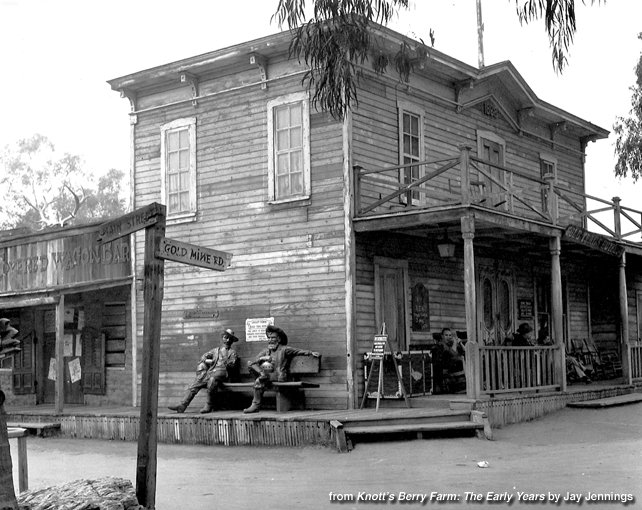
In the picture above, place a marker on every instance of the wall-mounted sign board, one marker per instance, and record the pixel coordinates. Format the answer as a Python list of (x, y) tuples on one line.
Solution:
[(193, 255)]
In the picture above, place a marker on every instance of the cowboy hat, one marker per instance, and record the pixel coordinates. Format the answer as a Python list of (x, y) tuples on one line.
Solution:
[(228, 333)]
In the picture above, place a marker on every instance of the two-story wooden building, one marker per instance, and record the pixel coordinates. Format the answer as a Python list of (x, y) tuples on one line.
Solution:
[(455, 200)]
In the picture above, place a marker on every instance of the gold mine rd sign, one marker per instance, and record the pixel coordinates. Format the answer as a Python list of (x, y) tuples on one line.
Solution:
[(135, 220), (193, 255)]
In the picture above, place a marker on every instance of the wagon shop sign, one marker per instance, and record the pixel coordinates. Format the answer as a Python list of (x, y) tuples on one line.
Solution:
[(193, 255)]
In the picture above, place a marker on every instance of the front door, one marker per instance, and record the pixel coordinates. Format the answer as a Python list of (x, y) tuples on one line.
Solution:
[(495, 307), (390, 299)]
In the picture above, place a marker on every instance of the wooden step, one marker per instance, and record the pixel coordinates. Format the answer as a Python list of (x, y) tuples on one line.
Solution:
[(412, 427)]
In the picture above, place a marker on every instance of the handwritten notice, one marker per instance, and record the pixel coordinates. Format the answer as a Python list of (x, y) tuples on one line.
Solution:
[(52, 370), (525, 308), (255, 329), (75, 372), (378, 346)]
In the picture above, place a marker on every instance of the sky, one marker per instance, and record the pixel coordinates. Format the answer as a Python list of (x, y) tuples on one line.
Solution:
[(56, 56)]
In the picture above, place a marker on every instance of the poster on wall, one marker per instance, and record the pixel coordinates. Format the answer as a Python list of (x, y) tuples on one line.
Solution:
[(255, 329), (68, 344), (52, 369), (74, 370)]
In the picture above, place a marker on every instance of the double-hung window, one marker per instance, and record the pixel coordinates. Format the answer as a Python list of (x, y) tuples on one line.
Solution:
[(289, 148), (547, 166), (411, 144), (178, 168)]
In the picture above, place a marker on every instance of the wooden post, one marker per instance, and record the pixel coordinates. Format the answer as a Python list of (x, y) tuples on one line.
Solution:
[(153, 299), (59, 387), (557, 327), (624, 322), (7, 491), (472, 362), (464, 162), (617, 221)]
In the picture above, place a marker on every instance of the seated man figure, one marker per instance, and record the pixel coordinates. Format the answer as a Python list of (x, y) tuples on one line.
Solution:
[(272, 364), (214, 367)]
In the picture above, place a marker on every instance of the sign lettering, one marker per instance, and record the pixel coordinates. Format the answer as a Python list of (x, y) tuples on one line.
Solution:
[(595, 241), (193, 255), (255, 329), (135, 220), (378, 346)]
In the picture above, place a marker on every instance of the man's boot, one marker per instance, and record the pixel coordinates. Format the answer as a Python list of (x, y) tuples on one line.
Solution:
[(256, 403), (180, 408), (209, 407)]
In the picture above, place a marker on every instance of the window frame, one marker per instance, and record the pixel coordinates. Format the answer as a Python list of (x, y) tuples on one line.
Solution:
[(405, 107), (272, 105), (175, 125), (546, 159)]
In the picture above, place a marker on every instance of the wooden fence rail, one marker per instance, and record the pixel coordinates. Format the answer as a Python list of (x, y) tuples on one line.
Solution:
[(514, 369)]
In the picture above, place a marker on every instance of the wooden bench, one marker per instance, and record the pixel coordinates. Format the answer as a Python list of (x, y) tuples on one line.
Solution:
[(41, 429), (289, 394)]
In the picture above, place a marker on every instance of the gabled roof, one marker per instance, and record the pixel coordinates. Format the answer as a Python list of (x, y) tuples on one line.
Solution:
[(439, 64)]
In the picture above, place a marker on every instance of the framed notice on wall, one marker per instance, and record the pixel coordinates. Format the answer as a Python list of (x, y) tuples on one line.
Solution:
[(525, 308)]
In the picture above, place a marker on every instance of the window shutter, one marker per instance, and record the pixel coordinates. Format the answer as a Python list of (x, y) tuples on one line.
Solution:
[(94, 361), (23, 373)]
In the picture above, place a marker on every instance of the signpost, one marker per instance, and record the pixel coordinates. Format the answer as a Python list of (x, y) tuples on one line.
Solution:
[(378, 350), (191, 254), (157, 248)]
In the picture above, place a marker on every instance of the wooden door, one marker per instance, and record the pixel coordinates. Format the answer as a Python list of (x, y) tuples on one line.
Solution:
[(496, 310), (73, 392), (390, 300), (493, 152)]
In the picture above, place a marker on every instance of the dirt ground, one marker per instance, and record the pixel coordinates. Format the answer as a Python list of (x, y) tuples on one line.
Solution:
[(573, 453)]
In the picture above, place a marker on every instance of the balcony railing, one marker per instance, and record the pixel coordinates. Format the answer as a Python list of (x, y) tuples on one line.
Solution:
[(468, 180)]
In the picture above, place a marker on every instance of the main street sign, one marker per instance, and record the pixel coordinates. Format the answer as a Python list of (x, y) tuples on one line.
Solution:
[(193, 255), (135, 220)]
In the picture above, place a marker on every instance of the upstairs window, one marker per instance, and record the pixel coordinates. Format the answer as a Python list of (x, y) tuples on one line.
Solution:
[(178, 168), (547, 165), (410, 143), (289, 148)]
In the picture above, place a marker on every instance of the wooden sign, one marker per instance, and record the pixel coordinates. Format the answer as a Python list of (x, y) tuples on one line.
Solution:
[(193, 255), (378, 346), (525, 308), (135, 220), (595, 241)]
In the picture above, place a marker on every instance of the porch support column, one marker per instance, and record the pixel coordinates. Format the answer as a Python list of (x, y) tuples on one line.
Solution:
[(624, 322), (555, 245), (59, 386), (472, 347)]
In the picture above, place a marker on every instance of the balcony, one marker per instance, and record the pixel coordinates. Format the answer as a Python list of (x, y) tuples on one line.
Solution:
[(436, 191)]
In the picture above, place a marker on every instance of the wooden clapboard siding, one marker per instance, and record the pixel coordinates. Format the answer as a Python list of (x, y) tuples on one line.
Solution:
[(288, 259), (376, 138)]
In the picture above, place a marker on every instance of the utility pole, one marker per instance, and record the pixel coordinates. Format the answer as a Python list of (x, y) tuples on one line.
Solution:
[(480, 36)]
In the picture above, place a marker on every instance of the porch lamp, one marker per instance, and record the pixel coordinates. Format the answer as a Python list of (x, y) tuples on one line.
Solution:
[(446, 247)]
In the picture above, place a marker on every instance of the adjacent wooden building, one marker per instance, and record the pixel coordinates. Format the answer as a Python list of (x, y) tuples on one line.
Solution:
[(455, 200), (70, 299)]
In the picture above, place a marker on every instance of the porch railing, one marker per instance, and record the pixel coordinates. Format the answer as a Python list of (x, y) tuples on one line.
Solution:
[(465, 179), (513, 369), (636, 362)]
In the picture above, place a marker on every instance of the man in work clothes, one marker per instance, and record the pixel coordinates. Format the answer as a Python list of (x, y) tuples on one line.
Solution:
[(214, 368), (272, 364)]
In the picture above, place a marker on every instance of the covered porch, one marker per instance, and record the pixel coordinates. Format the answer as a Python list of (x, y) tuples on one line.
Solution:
[(492, 221)]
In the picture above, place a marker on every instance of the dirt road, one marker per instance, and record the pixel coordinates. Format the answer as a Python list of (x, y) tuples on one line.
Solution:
[(573, 454)]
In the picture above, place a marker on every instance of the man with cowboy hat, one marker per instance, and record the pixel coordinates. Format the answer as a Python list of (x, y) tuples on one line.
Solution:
[(213, 368), (272, 364)]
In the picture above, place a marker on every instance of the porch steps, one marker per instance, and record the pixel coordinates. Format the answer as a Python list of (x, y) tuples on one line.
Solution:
[(428, 422), (620, 400), (42, 429)]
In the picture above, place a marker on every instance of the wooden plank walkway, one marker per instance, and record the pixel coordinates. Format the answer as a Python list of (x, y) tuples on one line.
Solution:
[(620, 400)]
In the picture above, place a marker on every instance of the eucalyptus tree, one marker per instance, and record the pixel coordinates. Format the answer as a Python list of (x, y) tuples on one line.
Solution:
[(334, 38)]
